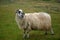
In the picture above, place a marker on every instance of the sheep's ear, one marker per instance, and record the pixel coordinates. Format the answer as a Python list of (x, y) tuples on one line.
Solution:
[(16, 11)]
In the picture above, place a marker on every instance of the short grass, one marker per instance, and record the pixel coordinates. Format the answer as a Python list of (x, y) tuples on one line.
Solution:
[(9, 29)]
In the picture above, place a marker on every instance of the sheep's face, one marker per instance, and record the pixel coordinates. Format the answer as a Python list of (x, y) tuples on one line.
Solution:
[(20, 13)]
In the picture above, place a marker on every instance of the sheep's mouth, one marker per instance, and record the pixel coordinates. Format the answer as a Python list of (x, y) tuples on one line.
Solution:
[(20, 16)]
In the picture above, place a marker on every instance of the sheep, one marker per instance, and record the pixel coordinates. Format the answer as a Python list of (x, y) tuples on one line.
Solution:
[(33, 21)]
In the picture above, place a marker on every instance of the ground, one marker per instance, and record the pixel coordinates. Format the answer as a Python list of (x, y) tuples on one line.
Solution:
[(8, 27)]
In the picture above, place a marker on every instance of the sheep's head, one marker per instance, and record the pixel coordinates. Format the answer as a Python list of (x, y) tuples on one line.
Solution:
[(20, 13)]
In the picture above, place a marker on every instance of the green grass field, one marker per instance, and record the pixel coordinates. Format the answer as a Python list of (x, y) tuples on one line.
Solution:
[(8, 27)]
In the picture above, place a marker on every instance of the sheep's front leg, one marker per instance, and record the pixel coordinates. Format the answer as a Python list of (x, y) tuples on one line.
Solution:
[(26, 31), (26, 34)]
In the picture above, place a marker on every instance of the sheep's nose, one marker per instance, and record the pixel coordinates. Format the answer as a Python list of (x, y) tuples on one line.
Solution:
[(20, 14)]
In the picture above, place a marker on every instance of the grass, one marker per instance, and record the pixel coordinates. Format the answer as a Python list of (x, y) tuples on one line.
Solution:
[(9, 29)]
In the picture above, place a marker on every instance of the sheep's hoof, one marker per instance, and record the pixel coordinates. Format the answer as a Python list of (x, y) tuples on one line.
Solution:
[(52, 34), (46, 33), (26, 36)]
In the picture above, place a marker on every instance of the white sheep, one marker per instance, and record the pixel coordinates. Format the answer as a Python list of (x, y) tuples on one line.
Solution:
[(33, 21)]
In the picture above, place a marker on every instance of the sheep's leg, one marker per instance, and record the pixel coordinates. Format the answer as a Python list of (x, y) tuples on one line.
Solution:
[(26, 31), (26, 34), (46, 33), (52, 32)]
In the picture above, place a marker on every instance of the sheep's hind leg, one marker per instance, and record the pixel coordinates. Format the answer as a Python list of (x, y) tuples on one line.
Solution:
[(46, 32), (52, 32)]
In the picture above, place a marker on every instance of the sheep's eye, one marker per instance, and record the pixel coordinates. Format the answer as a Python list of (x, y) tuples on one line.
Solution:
[(19, 12)]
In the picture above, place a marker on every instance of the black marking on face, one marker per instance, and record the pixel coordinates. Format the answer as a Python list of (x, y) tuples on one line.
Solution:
[(20, 13)]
